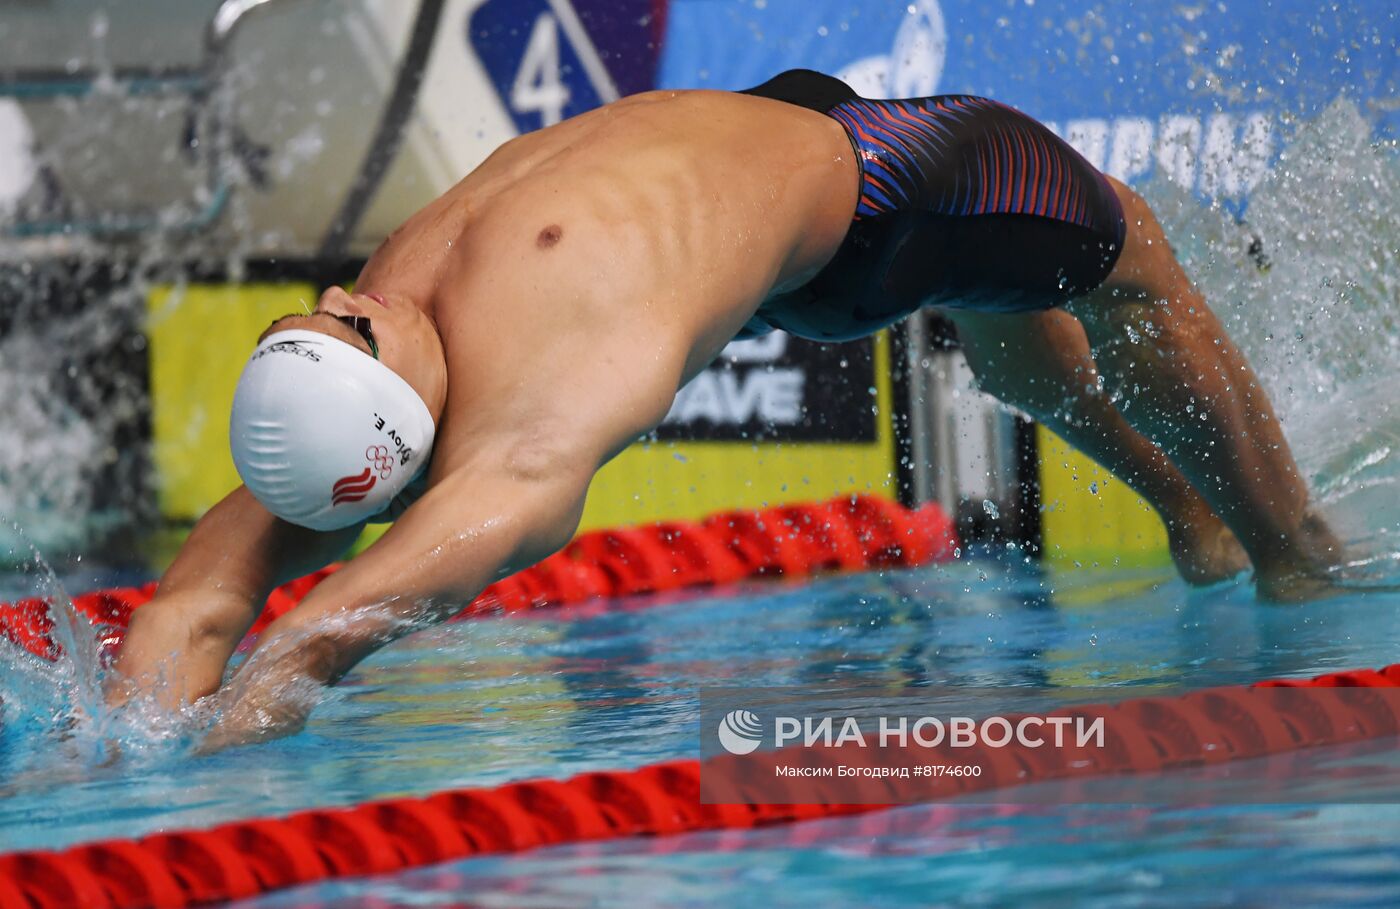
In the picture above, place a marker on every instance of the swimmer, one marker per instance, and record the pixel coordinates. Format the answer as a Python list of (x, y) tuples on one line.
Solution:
[(527, 326)]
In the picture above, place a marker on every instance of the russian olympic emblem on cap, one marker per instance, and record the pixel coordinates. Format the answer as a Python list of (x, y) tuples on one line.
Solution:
[(356, 486)]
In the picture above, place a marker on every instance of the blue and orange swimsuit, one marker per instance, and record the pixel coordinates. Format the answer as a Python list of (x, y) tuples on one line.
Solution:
[(964, 203)]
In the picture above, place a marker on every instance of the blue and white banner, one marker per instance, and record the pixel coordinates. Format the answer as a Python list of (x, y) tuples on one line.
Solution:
[(1204, 91)]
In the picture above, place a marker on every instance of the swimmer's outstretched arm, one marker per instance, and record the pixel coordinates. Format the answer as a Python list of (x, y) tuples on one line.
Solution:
[(179, 643), (470, 529)]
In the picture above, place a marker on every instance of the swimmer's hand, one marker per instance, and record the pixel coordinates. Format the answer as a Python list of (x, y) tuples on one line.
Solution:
[(272, 695), (247, 723), (301, 655)]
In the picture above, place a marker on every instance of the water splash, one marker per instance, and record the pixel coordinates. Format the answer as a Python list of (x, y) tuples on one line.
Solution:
[(56, 724), (73, 290), (1309, 287), (42, 699), (78, 475)]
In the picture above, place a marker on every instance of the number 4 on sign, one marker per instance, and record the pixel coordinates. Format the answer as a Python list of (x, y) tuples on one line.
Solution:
[(540, 58), (539, 87)]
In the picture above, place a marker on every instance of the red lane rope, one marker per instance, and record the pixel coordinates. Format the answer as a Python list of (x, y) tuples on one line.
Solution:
[(850, 533), (246, 858)]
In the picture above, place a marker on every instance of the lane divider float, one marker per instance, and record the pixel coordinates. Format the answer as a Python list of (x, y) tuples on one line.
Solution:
[(849, 533), (246, 858)]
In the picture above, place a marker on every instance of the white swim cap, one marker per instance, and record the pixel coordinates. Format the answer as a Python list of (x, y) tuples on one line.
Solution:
[(324, 435)]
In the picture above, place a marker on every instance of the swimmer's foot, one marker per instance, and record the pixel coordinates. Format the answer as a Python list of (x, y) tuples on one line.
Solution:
[(1302, 586), (1322, 545), (1310, 576), (1206, 552)]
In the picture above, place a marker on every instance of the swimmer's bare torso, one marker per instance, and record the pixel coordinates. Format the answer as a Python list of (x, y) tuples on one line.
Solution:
[(583, 273)]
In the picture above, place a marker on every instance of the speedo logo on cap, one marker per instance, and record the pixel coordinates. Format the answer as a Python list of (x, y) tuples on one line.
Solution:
[(297, 347)]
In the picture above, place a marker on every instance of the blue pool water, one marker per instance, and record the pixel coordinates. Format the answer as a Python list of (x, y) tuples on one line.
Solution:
[(614, 685)]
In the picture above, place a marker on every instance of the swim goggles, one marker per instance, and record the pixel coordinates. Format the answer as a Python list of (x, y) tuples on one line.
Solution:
[(360, 325)]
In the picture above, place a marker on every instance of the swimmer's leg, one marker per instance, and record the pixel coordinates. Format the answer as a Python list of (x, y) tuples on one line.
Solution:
[(1184, 385), (1040, 363)]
